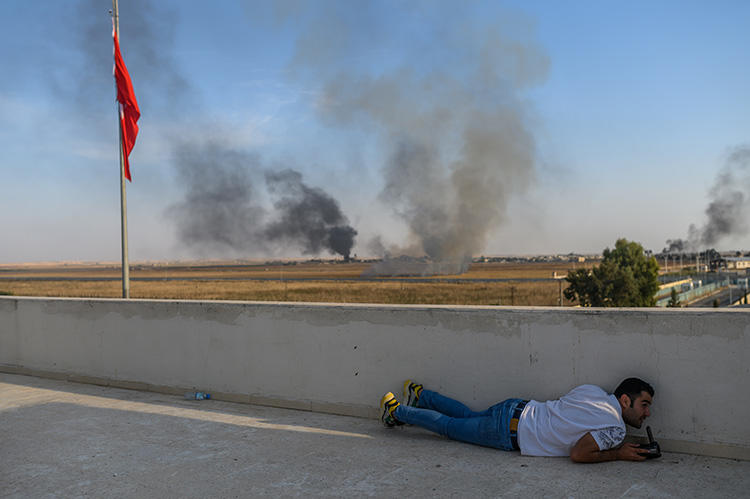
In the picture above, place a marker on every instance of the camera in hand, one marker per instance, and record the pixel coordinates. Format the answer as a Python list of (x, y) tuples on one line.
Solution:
[(652, 446)]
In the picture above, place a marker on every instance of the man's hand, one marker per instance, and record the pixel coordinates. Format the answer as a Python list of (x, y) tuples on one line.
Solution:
[(631, 452), (586, 451)]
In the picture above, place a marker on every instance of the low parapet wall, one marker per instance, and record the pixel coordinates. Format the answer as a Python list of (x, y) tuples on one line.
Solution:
[(342, 358)]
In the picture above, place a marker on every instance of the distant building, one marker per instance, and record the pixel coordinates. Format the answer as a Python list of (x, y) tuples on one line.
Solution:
[(736, 262), (730, 263)]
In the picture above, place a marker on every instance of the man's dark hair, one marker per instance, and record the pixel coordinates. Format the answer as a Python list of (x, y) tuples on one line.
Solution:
[(632, 387)]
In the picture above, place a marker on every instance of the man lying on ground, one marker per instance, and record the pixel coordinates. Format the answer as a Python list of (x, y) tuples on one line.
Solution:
[(587, 424)]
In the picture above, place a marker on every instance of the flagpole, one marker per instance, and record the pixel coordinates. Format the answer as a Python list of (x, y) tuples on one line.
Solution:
[(123, 197)]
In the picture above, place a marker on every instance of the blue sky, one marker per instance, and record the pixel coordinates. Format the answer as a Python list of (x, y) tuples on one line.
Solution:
[(631, 110)]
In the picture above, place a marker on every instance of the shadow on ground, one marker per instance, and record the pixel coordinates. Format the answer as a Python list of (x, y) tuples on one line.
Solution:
[(62, 439)]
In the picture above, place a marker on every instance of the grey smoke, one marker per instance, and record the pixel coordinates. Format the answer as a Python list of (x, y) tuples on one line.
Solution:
[(451, 117), (224, 205), (83, 86), (146, 41), (449, 112), (676, 246), (223, 211), (220, 210), (726, 213)]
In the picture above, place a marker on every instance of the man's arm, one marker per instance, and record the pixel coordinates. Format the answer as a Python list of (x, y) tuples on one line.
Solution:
[(587, 451)]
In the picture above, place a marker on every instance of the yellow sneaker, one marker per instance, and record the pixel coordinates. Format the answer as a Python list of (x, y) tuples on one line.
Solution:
[(412, 391), (388, 403)]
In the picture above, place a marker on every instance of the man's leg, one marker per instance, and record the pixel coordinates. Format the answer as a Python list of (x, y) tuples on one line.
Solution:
[(481, 429), (446, 405)]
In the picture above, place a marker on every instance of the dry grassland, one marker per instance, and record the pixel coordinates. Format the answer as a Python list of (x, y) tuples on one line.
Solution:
[(204, 284)]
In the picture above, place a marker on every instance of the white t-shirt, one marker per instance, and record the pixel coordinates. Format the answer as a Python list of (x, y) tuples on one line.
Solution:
[(552, 428)]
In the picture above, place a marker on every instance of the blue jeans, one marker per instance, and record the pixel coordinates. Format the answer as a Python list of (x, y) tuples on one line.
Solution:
[(451, 418)]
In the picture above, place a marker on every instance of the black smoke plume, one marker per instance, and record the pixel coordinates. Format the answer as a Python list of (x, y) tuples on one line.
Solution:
[(676, 246), (727, 211), (222, 211), (307, 216)]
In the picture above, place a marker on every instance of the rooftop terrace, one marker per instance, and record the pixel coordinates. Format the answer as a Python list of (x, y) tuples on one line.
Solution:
[(62, 439)]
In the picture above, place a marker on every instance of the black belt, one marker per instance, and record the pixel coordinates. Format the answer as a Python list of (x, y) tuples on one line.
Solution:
[(514, 417)]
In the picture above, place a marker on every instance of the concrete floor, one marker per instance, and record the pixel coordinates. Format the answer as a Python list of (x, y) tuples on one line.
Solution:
[(60, 439)]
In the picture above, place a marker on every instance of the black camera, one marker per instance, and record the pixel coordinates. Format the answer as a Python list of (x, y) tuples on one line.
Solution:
[(652, 446)]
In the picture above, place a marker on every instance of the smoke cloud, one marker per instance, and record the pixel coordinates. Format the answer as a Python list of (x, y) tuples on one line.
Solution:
[(726, 213), (307, 216), (676, 246), (224, 206), (222, 211), (451, 118), (146, 43), (446, 104)]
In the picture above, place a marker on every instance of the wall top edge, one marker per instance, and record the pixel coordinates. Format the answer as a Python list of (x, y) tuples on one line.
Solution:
[(565, 310)]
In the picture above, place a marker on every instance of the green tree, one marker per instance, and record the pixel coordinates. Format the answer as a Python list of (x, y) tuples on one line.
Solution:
[(674, 299), (625, 278)]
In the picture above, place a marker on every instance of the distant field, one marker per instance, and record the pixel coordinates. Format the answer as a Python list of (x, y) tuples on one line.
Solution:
[(310, 282)]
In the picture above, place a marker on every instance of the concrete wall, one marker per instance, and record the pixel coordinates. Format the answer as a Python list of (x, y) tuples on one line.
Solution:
[(342, 358)]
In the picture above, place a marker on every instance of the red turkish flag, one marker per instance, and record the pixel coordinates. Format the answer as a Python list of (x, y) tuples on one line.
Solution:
[(129, 112)]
